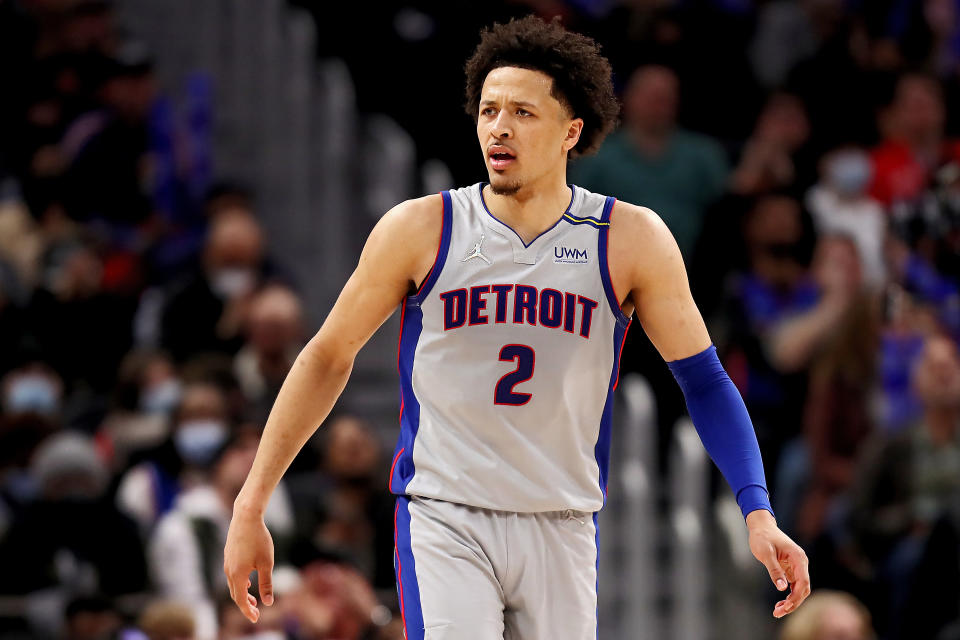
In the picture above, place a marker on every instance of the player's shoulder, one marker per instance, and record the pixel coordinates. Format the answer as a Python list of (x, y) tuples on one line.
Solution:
[(416, 215), (425, 214), (637, 223), (640, 238), (409, 230)]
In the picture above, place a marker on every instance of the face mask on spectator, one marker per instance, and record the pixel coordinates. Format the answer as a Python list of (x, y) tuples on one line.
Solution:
[(31, 392), (161, 398), (849, 173), (197, 441), (231, 282)]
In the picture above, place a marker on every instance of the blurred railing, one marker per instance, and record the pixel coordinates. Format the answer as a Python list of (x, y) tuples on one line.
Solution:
[(674, 562)]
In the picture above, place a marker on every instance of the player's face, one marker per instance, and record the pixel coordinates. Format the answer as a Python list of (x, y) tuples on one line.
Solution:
[(524, 132)]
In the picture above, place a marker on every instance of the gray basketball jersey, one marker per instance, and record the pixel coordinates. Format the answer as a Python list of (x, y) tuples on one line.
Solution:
[(508, 357)]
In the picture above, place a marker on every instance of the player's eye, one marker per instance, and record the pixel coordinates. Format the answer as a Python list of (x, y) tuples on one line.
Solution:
[(523, 112), (489, 111)]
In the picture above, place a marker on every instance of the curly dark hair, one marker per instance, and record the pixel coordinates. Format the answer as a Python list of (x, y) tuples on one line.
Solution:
[(581, 75)]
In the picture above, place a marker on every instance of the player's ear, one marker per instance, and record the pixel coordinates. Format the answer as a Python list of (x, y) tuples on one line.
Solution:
[(574, 130)]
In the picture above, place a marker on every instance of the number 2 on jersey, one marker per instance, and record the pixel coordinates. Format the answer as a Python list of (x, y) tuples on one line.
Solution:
[(525, 359)]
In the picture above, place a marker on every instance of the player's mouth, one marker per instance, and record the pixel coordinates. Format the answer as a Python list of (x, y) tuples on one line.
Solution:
[(500, 157)]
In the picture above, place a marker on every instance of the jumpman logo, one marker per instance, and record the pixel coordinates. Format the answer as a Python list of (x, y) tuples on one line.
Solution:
[(476, 252)]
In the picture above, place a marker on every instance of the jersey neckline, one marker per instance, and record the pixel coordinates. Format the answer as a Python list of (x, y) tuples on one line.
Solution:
[(573, 196)]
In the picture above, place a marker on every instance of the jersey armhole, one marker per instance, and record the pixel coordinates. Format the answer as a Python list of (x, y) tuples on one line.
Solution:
[(442, 248), (604, 261)]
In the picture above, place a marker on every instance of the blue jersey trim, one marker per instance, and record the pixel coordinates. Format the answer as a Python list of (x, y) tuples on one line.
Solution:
[(442, 249), (602, 449), (573, 193), (406, 569), (411, 325), (602, 242)]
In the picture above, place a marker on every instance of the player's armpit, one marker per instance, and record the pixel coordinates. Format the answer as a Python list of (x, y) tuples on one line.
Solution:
[(398, 253), (646, 263)]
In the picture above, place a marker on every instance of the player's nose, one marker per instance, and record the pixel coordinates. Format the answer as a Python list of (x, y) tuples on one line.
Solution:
[(501, 127)]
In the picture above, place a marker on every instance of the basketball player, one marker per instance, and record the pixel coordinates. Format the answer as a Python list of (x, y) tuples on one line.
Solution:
[(515, 299)]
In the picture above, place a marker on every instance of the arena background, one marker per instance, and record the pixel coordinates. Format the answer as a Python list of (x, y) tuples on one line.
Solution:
[(186, 185)]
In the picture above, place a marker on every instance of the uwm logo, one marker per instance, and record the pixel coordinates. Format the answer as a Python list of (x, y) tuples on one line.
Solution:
[(569, 256)]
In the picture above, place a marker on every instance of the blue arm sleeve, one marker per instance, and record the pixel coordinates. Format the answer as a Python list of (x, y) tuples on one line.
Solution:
[(724, 426)]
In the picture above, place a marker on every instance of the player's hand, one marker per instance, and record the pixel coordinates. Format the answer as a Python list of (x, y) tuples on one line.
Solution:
[(785, 561), (249, 548)]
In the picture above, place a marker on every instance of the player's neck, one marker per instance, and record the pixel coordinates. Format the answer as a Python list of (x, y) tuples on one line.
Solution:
[(534, 208)]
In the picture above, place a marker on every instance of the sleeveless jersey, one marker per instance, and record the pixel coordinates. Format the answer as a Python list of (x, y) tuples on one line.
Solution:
[(508, 357)]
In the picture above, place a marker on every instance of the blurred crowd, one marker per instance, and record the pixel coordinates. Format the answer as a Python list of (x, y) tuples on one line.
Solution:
[(823, 247), (144, 333), (804, 153)]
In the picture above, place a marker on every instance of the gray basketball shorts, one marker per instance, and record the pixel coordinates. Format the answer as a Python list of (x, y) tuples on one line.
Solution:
[(465, 573)]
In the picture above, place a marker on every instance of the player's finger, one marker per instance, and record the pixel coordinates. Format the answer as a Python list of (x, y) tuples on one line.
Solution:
[(251, 606), (232, 584), (779, 610), (265, 578), (234, 579), (799, 586), (800, 589), (777, 574), (241, 597)]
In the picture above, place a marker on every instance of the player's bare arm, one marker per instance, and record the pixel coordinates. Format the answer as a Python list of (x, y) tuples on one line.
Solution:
[(398, 255), (647, 271)]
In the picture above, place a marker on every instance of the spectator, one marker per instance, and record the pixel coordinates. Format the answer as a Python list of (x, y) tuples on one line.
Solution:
[(931, 40), (914, 142), (908, 481), (105, 150), (91, 618), (653, 162), (779, 23), (344, 507), (797, 339), (87, 350), (200, 427), (207, 311), (20, 435), (275, 334), (829, 615), (775, 286), (839, 84), (146, 394), (167, 620), (186, 548), (909, 321), (335, 601), (59, 540), (773, 158), (837, 416), (840, 204), (21, 247)]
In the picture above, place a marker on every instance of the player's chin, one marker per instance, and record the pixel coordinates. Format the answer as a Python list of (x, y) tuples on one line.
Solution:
[(502, 184)]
